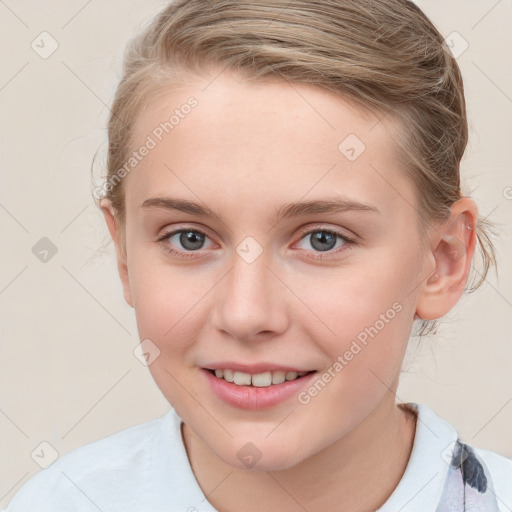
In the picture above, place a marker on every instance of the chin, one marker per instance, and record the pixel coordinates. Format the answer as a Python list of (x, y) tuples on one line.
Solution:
[(250, 456)]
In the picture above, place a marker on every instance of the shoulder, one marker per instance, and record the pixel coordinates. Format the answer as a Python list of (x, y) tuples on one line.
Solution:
[(500, 469), (105, 471), (497, 466), (436, 455)]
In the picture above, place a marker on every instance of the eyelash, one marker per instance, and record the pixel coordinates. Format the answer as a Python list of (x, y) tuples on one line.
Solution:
[(348, 241)]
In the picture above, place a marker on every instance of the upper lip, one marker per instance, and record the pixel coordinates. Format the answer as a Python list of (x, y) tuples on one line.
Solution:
[(254, 368)]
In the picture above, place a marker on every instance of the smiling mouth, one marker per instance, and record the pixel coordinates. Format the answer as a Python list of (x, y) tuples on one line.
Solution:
[(261, 380)]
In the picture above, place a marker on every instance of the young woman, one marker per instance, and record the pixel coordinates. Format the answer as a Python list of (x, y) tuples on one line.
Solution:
[(284, 195)]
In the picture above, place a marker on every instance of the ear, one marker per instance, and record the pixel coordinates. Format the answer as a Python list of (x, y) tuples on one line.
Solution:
[(452, 247), (118, 239)]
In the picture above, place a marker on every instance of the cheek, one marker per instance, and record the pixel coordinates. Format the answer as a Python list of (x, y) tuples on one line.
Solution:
[(168, 309), (363, 315), (168, 303), (342, 303)]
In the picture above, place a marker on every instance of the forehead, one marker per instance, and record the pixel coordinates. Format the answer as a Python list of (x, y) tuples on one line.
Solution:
[(270, 142)]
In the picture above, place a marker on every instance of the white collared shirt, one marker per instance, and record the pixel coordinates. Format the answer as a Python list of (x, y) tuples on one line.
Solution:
[(145, 468)]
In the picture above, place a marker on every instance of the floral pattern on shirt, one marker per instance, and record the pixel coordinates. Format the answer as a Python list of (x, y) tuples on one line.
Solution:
[(468, 487)]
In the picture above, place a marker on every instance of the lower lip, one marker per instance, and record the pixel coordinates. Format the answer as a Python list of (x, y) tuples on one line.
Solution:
[(252, 397)]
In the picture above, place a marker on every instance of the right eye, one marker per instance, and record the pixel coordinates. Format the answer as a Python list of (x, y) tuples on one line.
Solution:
[(187, 240)]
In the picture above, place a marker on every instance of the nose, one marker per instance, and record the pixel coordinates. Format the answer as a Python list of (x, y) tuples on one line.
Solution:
[(250, 302)]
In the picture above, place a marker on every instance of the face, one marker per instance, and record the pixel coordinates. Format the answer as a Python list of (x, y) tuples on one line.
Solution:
[(243, 282)]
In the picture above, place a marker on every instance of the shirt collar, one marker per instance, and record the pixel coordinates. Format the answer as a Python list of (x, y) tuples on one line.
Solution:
[(422, 483), (419, 489)]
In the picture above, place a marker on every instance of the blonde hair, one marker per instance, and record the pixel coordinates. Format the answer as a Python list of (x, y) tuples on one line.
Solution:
[(384, 55)]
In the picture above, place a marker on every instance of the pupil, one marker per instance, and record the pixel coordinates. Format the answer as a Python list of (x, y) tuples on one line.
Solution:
[(323, 237)]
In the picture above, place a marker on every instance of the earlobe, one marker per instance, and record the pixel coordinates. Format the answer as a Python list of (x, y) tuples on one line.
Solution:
[(117, 237), (453, 245)]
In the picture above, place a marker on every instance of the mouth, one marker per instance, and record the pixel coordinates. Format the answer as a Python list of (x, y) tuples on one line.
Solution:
[(257, 388), (261, 380)]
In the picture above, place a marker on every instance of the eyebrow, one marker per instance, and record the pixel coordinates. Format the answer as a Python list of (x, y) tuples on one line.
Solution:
[(287, 211)]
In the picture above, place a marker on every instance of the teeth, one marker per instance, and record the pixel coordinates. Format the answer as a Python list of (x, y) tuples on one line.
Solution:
[(278, 377), (260, 380), (242, 379)]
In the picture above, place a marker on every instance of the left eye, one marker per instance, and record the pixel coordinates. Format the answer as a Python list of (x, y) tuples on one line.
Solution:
[(324, 239)]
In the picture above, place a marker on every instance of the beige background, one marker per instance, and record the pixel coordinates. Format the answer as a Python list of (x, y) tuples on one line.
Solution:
[(68, 373)]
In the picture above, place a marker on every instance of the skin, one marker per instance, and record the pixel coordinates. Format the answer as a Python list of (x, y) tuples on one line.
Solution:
[(244, 151)]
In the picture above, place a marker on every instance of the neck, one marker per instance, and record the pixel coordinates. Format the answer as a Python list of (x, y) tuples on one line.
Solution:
[(358, 473)]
